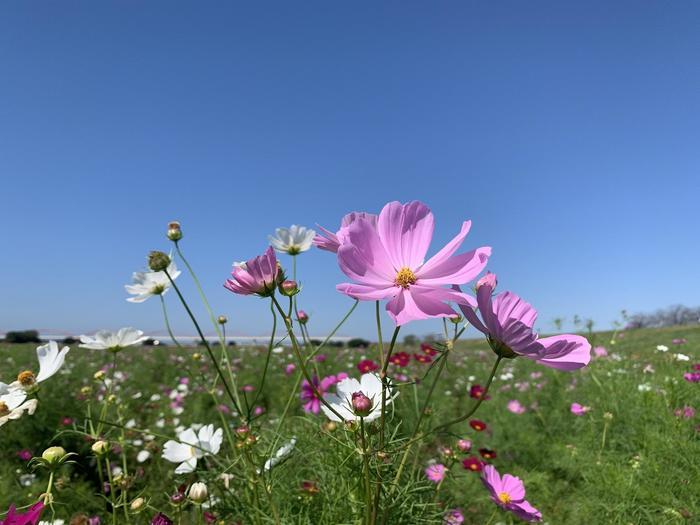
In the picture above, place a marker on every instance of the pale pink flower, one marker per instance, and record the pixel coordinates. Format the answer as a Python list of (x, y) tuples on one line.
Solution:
[(578, 409), (515, 407), (387, 261), (435, 472), (330, 241)]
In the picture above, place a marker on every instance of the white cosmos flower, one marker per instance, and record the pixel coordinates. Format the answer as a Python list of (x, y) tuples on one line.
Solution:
[(370, 385), (13, 403), (142, 456), (662, 348), (112, 341), (50, 361), (644, 387), (292, 240), (681, 357), (191, 446), (282, 453), (148, 284)]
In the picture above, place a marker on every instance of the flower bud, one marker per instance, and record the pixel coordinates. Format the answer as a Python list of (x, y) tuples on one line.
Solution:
[(289, 288), (302, 317), (158, 261), (222, 319), (251, 440), (177, 498), (329, 426), (53, 454), (112, 398), (196, 356), (608, 416), (489, 280), (137, 504), (174, 231), (86, 390), (99, 375), (242, 431), (198, 492), (361, 404), (464, 445), (100, 447), (455, 318)]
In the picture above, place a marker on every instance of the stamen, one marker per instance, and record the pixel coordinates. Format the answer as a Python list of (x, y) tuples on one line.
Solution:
[(4, 409), (26, 378), (405, 278), (504, 497)]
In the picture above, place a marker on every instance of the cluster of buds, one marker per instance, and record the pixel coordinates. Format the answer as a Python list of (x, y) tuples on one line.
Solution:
[(245, 437), (446, 452), (174, 231)]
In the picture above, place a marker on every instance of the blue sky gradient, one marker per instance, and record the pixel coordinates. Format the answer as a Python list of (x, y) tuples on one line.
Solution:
[(566, 131)]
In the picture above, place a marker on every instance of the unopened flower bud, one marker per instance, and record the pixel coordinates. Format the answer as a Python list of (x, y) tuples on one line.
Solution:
[(99, 375), (112, 398), (100, 447), (196, 356), (137, 504), (174, 231), (158, 261), (53, 454), (177, 498), (222, 319), (302, 317), (361, 404), (329, 426), (86, 390), (289, 288), (242, 431), (251, 440), (489, 280), (198, 492), (608, 416), (456, 318)]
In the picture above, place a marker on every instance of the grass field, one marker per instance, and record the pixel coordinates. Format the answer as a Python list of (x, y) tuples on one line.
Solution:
[(629, 460)]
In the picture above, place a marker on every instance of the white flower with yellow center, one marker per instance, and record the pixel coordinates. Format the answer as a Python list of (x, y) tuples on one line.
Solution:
[(148, 284), (50, 360), (191, 446), (292, 240), (14, 404), (112, 341)]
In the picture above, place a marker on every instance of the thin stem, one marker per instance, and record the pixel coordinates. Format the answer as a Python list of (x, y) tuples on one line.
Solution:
[(368, 483), (380, 343), (267, 359), (205, 343), (385, 384), (167, 322)]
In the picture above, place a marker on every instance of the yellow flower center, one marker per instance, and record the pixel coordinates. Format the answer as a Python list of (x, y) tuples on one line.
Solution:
[(504, 498), (4, 409), (26, 378), (405, 278)]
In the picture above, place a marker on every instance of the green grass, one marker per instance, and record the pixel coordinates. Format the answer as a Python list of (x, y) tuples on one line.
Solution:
[(647, 471)]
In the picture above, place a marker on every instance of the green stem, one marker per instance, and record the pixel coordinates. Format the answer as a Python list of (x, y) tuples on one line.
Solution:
[(368, 484), (167, 322), (267, 358)]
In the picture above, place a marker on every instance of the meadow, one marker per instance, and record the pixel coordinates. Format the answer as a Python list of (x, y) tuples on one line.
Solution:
[(631, 458)]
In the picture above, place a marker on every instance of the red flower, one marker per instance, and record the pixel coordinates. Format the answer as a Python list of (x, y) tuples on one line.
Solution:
[(422, 358), (400, 359), (477, 392), (367, 365), (473, 463), (477, 425), (427, 349), (487, 453)]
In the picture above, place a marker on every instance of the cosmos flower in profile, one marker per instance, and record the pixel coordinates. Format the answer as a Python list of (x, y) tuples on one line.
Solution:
[(508, 492), (386, 260), (112, 341), (507, 321), (50, 358), (147, 284), (14, 403), (293, 240), (258, 276)]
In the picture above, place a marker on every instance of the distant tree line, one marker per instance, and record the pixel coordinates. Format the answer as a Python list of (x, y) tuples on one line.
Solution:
[(671, 316)]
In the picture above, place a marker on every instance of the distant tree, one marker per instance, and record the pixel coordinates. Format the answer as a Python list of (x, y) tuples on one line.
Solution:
[(358, 342), (411, 340), (22, 336), (70, 340), (558, 322), (232, 343)]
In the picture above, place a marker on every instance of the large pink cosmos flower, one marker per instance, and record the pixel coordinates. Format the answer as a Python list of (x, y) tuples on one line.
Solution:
[(311, 402), (31, 517), (507, 323), (387, 261), (257, 276), (331, 241), (508, 492)]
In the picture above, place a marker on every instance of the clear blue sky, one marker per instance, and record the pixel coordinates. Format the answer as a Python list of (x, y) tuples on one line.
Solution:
[(567, 131)]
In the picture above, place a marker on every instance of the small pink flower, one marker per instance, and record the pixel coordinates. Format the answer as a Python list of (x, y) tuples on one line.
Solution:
[(25, 454), (686, 412), (435, 472), (600, 351), (508, 492), (453, 517), (367, 365), (515, 407), (465, 445), (311, 403), (692, 377), (578, 409), (290, 368)]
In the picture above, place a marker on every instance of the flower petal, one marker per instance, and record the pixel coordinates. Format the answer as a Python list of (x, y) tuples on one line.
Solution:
[(406, 231)]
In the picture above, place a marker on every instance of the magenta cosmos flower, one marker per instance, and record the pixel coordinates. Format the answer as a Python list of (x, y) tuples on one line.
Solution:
[(508, 492), (507, 322), (258, 276), (311, 402), (387, 261), (330, 241), (435, 472), (31, 517)]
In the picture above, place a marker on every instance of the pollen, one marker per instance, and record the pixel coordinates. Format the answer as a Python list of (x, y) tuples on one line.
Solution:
[(26, 378), (504, 497), (4, 409), (405, 278)]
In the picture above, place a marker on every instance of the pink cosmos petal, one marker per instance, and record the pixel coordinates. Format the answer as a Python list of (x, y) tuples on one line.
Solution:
[(450, 248), (469, 313), (362, 256), (459, 269), (525, 511), (365, 292), (329, 242), (565, 352), (406, 231), (418, 303), (514, 487)]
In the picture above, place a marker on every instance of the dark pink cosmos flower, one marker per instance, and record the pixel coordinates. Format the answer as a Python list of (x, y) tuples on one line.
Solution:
[(387, 261), (692, 377), (473, 463), (330, 241), (400, 359), (367, 365), (487, 453), (161, 519), (422, 358), (507, 322), (31, 517), (477, 425), (257, 276), (508, 492), (477, 392), (24, 454), (426, 348), (311, 402)]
